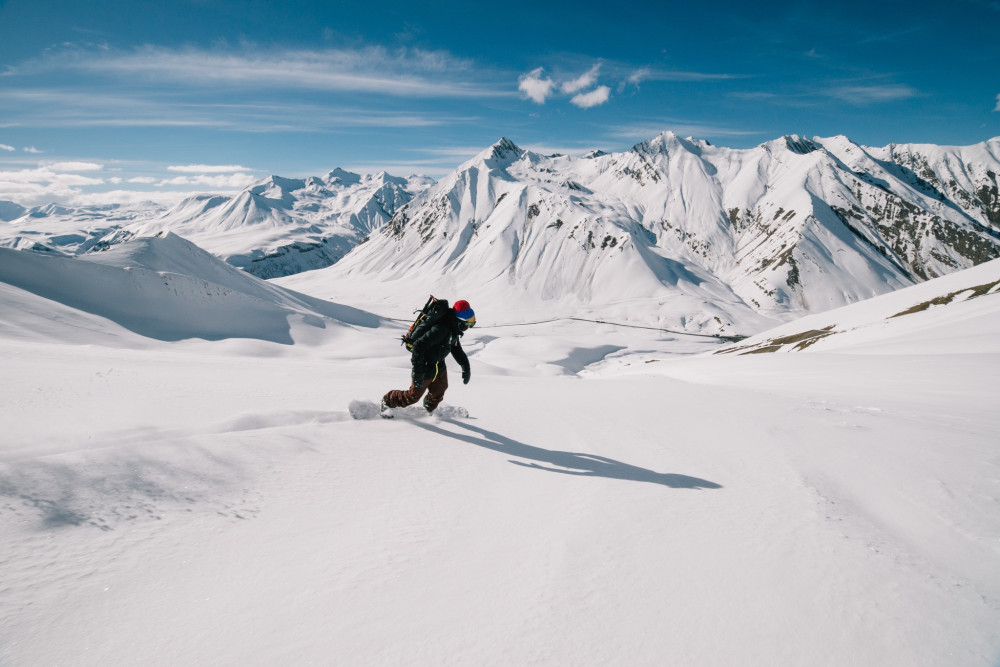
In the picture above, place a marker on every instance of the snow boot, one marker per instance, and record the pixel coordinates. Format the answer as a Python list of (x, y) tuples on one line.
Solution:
[(427, 405), (385, 411)]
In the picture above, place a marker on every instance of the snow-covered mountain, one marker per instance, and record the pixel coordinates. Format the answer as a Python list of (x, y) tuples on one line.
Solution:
[(161, 287), (69, 230), (789, 227), (674, 232), (283, 226), (274, 228)]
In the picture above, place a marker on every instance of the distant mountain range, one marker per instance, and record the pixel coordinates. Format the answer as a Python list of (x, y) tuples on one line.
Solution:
[(277, 227), (792, 226)]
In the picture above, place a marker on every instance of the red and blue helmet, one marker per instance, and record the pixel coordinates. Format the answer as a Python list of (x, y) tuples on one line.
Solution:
[(465, 314)]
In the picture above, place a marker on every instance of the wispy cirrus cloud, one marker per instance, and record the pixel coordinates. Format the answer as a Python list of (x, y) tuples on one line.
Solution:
[(68, 108), (206, 168), (371, 69), (857, 93), (5, 147), (997, 107), (219, 181), (685, 128), (642, 74), (861, 95)]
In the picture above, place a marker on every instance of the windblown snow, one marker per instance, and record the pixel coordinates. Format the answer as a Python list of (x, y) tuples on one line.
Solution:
[(181, 481)]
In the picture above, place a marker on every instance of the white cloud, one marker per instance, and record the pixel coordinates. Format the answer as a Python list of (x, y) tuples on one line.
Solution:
[(997, 108), (585, 80), (45, 174), (862, 95), (144, 180), (42, 184), (535, 87), (5, 147), (403, 72), (222, 181), (206, 168), (75, 166), (638, 76), (594, 98), (31, 149)]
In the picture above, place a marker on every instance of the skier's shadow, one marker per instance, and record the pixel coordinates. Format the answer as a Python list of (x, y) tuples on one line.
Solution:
[(567, 463)]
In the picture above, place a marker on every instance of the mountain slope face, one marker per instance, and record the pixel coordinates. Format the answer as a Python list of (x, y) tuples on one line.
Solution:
[(923, 319), (789, 227), (284, 226), (278, 227), (161, 287), (68, 230)]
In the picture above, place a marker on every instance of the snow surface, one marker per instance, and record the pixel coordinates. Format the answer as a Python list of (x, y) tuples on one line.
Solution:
[(173, 492)]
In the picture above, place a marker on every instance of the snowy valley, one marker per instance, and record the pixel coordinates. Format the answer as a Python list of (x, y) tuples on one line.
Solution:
[(181, 482)]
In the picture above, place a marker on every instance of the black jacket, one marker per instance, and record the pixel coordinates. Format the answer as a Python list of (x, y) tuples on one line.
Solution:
[(436, 343)]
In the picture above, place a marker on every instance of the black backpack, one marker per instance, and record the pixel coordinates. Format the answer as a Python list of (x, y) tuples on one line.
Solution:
[(432, 313)]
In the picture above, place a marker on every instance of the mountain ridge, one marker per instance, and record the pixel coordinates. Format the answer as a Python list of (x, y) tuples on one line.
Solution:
[(791, 226)]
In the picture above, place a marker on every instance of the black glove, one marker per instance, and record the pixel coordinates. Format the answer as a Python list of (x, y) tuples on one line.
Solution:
[(466, 374)]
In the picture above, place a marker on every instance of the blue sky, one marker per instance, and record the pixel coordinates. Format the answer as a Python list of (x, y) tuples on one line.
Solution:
[(117, 98)]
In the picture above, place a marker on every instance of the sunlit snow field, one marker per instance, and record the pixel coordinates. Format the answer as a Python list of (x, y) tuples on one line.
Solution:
[(617, 496)]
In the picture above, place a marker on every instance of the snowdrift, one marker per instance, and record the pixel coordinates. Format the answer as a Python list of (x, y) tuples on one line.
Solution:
[(160, 287)]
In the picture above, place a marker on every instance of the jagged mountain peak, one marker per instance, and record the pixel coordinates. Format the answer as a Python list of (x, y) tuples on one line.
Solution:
[(793, 225), (342, 177), (801, 145), (500, 155), (383, 178), (277, 187), (668, 142)]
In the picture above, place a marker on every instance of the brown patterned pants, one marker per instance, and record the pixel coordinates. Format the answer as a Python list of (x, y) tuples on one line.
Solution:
[(435, 388)]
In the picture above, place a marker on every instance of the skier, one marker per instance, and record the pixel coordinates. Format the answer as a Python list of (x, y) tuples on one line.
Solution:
[(430, 345)]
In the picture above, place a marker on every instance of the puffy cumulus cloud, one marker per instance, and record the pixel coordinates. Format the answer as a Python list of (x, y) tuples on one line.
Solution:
[(585, 80), (42, 185), (536, 86), (594, 98), (47, 174)]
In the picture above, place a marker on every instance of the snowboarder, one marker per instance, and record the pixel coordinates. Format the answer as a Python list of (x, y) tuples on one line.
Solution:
[(431, 342)]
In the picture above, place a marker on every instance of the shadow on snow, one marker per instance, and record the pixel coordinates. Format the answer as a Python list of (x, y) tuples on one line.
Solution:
[(567, 463)]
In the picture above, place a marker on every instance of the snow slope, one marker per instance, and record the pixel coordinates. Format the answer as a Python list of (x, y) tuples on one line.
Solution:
[(729, 238), (613, 499), (160, 287), (951, 313)]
